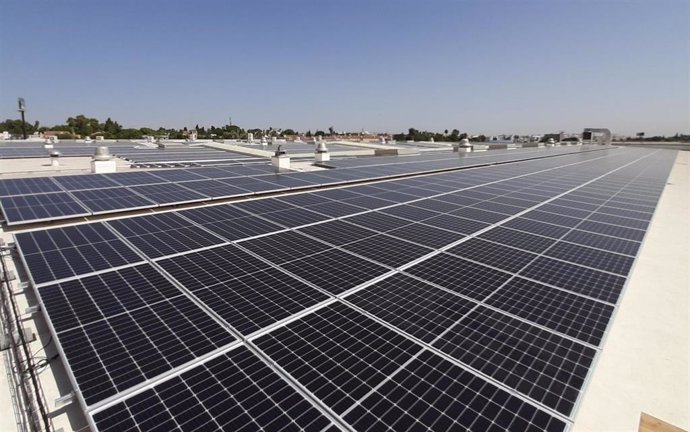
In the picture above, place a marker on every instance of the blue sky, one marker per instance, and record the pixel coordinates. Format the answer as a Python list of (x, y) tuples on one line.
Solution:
[(479, 66)]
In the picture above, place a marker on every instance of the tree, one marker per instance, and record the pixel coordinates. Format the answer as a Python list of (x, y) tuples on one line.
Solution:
[(331, 131), (83, 126), (289, 132)]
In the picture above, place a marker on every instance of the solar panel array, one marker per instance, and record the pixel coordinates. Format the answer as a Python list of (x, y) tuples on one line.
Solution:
[(479, 305), (25, 201)]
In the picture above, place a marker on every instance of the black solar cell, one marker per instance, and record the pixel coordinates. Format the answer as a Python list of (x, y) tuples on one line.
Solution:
[(459, 275), (72, 251), (432, 394), (285, 246), (518, 239), (334, 270), (542, 365), (387, 250), (493, 254), (562, 311), (338, 354), (572, 277), (412, 306), (235, 391)]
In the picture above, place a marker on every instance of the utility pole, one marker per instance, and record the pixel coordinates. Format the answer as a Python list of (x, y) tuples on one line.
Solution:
[(22, 109)]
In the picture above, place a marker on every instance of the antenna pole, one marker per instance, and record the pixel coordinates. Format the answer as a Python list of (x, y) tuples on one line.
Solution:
[(22, 109)]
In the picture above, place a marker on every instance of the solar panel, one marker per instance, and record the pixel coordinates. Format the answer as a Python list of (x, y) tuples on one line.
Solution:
[(412, 306), (212, 266), (409, 212), (378, 221), (164, 234), (335, 209), (598, 241), (71, 251), (418, 397), (214, 189), (479, 215), (241, 228), (337, 232), (552, 218), (334, 270), (518, 239), (112, 199), (377, 379), (620, 221), (575, 278), (595, 258), (493, 254), (81, 182), (28, 186), (177, 175), (536, 227), (436, 205), (456, 224), (168, 193), (426, 235), (285, 246), (110, 351), (235, 391), (31, 208), (338, 354), (134, 178), (459, 275), (294, 217), (559, 310), (547, 367), (387, 250), (612, 230)]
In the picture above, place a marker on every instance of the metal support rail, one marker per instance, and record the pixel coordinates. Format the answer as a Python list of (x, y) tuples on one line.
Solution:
[(30, 395)]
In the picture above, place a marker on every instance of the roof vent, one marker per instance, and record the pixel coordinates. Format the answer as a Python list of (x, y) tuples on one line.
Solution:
[(102, 153)]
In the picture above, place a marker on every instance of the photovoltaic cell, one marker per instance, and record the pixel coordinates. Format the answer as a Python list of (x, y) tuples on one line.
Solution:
[(123, 349), (112, 199), (595, 258), (235, 391), (412, 306), (168, 193), (81, 182), (459, 275), (426, 235), (164, 234), (493, 254), (28, 208), (378, 221), (335, 270), (294, 217), (606, 243), (338, 354), (241, 228), (572, 277), (418, 397), (337, 232), (285, 246), (542, 365), (455, 223), (612, 230), (536, 227), (252, 301), (28, 186), (518, 239), (71, 251), (387, 250), (212, 266), (479, 215), (576, 316)]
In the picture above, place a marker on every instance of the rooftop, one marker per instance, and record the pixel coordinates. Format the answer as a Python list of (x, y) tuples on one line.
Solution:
[(418, 265)]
